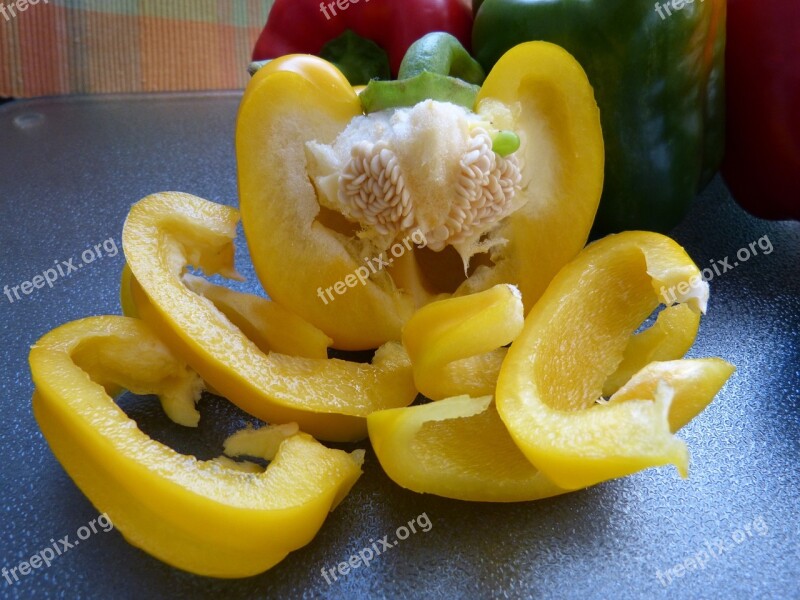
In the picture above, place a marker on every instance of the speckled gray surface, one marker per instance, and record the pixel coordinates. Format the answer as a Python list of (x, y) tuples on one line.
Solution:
[(69, 170)]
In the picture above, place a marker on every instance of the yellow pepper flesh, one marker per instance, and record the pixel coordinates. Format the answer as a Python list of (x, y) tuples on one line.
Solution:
[(564, 162), (455, 344), (195, 515), (573, 339), (669, 338), (327, 398), (268, 324), (457, 448)]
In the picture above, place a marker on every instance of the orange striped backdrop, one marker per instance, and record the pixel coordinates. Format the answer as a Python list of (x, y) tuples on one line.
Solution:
[(106, 46)]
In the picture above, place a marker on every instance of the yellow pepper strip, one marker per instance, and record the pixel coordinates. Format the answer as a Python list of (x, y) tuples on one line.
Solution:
[(263, 442), (272, 327), (695, 382), (669, 338), (327, 398), (457, 448), (455, 344), (268, 324), (127, 280), (195, 515), (573, 339), (442, 343)]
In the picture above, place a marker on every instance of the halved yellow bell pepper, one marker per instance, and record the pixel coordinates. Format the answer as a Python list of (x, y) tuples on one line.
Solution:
[(195, 515), (327, 398), (297, 119), (573, 339)]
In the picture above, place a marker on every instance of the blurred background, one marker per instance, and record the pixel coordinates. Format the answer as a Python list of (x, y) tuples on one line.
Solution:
[(53, 47)]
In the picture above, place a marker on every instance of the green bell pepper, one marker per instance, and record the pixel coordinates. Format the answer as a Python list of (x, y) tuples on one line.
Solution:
[(658, 74)]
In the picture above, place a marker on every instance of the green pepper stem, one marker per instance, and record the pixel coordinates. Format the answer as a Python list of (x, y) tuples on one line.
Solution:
[(435, 67), (440, 53)]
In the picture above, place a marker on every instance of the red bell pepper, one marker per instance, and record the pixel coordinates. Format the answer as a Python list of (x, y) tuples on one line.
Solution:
[(305, 26), (762, 161)]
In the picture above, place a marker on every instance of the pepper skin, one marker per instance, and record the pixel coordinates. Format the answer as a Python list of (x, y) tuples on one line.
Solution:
[(300, 246), (305, 26), (199, 516), (762, 153), (573, 339), (659, 85), (329, 399)]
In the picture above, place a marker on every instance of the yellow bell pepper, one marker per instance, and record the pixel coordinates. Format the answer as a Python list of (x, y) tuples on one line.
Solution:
[(199, 516), (329, 399), (573, 339), (309, 160), (272, 327), (459, 447)]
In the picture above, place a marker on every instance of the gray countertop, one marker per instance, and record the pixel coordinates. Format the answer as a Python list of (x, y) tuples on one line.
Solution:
[(69, 171)]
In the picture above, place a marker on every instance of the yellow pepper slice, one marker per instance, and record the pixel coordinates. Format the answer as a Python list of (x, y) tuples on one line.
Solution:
[(669, 338), (694, 382), (327, 398), (270, 326), (455, 345), (457, 448), (300, 245), (573, 339), (460, 448), (195, 515)]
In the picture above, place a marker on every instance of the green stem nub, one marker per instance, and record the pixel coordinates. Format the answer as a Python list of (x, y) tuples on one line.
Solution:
[(505, 143), (435, 67)]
